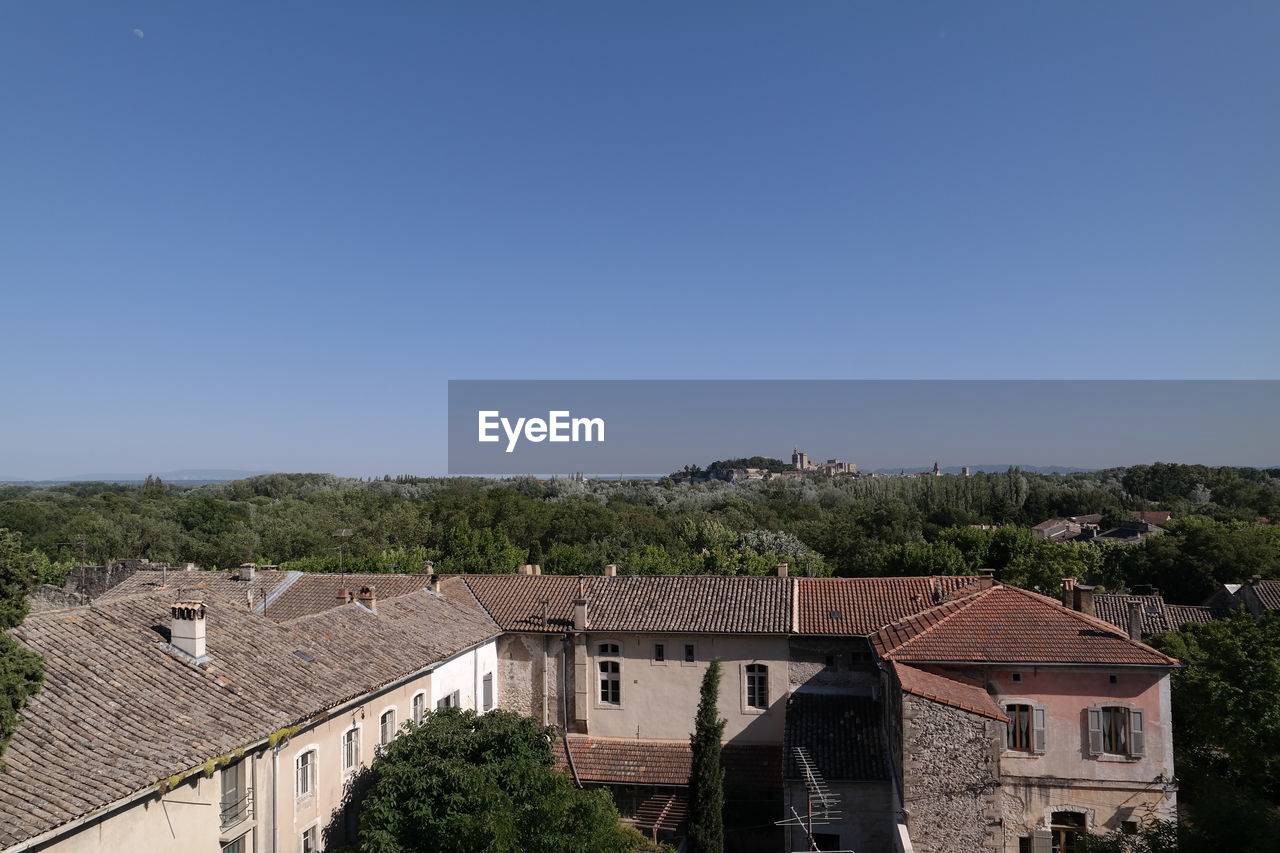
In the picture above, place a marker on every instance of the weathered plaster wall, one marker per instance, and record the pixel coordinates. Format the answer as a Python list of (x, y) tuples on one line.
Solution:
[(850, 668), (950, 773)]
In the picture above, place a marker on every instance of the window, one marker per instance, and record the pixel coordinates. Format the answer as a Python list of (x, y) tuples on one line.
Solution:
[(690, 653), (387, 726), (235, 796), (350, 749), (487, 691), (610, 683), (452, 700), (659, 653), (1025, 731), (1017, 677), (1067, 828), (237, 846), (829, 662), (311, 840), (419, 707), (305, 774), (757, 686), (608, 649), (1116, 730)]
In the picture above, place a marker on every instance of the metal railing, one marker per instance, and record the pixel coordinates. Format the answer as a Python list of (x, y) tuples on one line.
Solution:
[(235, 811)]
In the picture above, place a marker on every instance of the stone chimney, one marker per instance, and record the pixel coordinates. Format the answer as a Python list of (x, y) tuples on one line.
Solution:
[(344, 595), (367, 598), (248, 571), (1069, 592), (433, 583), (783, 568), (580, 614), (1083, 599), (986, 578), (1135, 620), (526, 569), (537, 569), (611, 571), (186, 634)]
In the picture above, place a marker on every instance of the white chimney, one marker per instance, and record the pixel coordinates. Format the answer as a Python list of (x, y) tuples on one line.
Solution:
[(247, 571), (611, 571), (783, 569), (187, 631)]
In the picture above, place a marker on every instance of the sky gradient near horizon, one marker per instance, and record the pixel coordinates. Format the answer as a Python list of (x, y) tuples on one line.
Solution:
[(264, 236)]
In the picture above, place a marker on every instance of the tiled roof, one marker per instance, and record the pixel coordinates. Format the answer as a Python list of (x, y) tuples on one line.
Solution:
[(1008, 624), (684, 604), (1268, 593), (118, 712), (952, 689), (1152, 516), (864, 605), (841, 734), (285, 595), (1157, 616), (226, 584), (652, 762)]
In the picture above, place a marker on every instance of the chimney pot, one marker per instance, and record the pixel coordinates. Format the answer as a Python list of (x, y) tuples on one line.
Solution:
[(1135, 620), (344, 595), (434, 583), (1068, 592), (187, 633), (1083, 599), (611, 571), (783, 568), (986, 578), (368, 598)]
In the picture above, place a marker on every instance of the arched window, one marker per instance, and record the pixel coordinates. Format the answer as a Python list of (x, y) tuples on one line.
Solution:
[(610, 682), (387, 726), (350, 749), (305, 774)]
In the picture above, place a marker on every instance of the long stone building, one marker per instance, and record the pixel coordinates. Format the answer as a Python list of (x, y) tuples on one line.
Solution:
[(211, 711)]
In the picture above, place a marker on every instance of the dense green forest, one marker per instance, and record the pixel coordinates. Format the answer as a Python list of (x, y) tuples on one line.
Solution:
[(842, 526)]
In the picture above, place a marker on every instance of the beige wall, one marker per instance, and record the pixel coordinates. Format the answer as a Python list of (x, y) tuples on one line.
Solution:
[(660, 700)]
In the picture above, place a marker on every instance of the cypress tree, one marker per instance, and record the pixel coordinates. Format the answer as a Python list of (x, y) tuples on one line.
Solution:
[(706, 780)]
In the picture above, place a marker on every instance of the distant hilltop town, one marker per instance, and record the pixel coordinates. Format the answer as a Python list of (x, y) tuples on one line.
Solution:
[(768, 468)]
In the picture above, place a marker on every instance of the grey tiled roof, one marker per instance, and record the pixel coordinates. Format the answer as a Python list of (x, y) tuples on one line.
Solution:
[(118, 712), (841, 734), (1157, 616), (656, 603)]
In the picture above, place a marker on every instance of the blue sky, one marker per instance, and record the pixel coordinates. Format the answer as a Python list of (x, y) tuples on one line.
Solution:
[(264, 235)]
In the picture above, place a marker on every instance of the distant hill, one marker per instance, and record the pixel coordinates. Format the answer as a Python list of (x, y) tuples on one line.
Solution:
[(188, 476), (991, 469)]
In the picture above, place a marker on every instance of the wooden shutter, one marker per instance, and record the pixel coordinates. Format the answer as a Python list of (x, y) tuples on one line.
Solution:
[(1095, 730), (1037, 733), (1042, 841), (1137, 733)]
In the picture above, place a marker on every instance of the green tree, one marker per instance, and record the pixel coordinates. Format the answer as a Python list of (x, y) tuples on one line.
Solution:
[(21, 670), (706, 779), (467, 783), (1226, 713)]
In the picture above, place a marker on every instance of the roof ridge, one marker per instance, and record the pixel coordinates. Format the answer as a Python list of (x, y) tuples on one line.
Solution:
[(1095, 621), (956, 605)]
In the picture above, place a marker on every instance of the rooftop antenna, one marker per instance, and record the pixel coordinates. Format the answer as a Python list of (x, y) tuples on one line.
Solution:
[(342, 536), (822, 806), (79, 541)]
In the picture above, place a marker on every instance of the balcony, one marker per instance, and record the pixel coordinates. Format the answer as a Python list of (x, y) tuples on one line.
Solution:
[(236, 808)]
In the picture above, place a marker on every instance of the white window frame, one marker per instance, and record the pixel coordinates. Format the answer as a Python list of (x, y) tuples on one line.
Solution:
[(313, 772), (351, 768), (747, 676), (383, 740), (1039, 733), (416, 713), (302, 838), (609, 653)]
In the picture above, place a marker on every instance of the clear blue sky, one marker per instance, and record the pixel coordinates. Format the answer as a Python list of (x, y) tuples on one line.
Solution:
[(264, 235)]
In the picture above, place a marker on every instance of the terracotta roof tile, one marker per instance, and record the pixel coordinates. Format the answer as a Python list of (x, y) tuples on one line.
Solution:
[(1008, 624), (651, 762), (1268, 593), (864, 605), (952, 689)]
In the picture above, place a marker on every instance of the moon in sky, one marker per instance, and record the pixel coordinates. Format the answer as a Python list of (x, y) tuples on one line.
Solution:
[(139, 33)]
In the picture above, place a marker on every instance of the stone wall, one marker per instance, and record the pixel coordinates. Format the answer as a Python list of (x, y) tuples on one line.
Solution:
[(850, 664), (950, 771), (522, 660)]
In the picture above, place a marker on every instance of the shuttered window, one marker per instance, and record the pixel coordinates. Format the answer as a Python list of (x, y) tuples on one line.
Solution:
[(1117, 730), (1026, 728)]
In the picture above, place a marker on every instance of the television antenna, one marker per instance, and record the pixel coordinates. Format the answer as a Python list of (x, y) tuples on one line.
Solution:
[(821, 805), (342, 536)]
